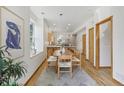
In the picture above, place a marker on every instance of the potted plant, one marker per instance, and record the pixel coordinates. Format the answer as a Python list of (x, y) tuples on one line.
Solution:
[(10, 71)]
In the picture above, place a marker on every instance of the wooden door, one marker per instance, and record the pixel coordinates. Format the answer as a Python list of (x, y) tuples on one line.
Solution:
[(109, 19), (83, 50), (84, 44), (91, 45)]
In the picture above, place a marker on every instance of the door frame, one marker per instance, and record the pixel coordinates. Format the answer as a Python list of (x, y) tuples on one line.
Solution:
[(89, 42), (98, 41)]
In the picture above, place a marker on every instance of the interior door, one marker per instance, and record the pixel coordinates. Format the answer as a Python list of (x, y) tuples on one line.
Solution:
[(104, 46), (83, 50), (91, 45), (84, 44)]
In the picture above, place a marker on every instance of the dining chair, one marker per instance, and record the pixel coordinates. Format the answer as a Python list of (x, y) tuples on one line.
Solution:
[(51, 61), (65, 64), (76, 59)]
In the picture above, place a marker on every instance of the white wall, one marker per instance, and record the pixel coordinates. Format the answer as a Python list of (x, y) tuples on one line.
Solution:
[(118, 45), (31, 64), (79, 40), (45, 37)]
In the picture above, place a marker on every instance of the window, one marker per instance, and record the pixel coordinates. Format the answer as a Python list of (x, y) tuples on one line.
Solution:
[(36, 38)]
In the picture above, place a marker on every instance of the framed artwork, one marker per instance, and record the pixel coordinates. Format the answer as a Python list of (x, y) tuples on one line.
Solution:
[(11, 33)]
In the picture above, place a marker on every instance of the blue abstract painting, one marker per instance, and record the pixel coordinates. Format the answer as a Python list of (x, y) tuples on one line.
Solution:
[(13, 36), (12, 33)]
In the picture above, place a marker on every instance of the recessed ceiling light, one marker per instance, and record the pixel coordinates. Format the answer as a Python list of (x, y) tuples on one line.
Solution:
[(42, 13), (61, 14), (69, 24), (54, 24)]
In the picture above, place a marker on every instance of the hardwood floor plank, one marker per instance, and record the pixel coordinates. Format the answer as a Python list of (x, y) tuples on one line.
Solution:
[(37, 73), (102, 76)]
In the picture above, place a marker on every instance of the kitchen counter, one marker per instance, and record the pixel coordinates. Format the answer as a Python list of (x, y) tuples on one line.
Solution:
[(60, 46), (52, 48)]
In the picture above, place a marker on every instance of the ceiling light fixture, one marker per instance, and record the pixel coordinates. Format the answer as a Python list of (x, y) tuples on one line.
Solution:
[(54, 24), (61, 14), (69, 24), (42, 13)]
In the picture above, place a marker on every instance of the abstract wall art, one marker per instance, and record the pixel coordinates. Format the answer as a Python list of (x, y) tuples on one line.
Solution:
[(11, 33)]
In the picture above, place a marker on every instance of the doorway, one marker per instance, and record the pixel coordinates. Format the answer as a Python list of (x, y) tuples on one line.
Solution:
[(91, 45), (104, 52)]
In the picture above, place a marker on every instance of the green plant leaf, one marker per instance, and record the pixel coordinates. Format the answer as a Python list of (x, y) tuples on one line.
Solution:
[(9, 70)]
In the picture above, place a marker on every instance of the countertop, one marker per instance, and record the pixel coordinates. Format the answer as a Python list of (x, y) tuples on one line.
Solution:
[(59, 46)]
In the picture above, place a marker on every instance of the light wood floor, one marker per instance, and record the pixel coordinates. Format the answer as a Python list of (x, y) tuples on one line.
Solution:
[(36, 75), (102, 76)]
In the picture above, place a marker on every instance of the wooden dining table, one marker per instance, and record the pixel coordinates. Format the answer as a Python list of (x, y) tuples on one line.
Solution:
[(57, 53)]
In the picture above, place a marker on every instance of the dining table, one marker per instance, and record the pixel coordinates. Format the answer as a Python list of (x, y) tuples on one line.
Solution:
[(58, 53)]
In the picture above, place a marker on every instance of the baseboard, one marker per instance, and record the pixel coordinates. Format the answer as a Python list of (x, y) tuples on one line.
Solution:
[(105, 67), (31, 81), (87, 60), (117, 82), (90, 62)]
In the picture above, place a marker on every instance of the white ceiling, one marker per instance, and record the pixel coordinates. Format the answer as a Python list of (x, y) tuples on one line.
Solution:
[(74, 15)]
